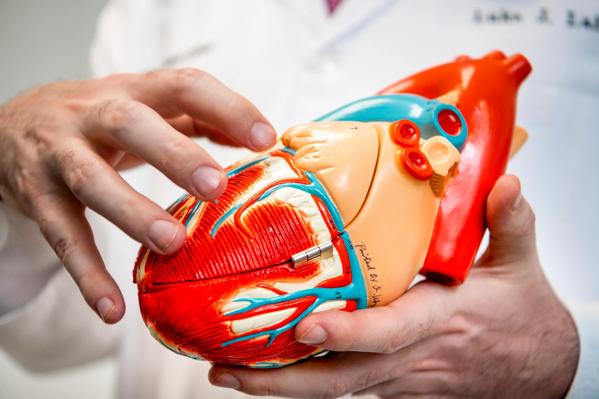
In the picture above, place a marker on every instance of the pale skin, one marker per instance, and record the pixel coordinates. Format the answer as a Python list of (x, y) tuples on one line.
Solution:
[(503, 334), (63, 143)]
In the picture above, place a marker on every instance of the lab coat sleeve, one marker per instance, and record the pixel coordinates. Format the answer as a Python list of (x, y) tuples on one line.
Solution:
[(26, 260), (586, 381), (44, 322)]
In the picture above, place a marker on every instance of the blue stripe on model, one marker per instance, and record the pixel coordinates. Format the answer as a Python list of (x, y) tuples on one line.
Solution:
[(230, 174), (222, 219), (393, 107), (356, 290)]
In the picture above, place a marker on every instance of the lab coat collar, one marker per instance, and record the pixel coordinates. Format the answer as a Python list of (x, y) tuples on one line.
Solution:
[(349, 17), (329, 29)]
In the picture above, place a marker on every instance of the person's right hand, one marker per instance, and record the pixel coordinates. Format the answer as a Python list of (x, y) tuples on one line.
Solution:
[(61, 144)]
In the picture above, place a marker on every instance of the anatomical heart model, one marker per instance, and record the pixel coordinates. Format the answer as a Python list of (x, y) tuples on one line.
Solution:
[(341, 215)]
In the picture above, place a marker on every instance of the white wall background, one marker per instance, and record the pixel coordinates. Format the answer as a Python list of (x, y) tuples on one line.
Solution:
[(41, 41)]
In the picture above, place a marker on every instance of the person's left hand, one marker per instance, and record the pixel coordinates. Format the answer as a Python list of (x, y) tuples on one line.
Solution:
[(503, 333)]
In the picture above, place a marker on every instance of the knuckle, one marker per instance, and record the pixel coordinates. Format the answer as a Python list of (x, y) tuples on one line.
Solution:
[(371, 377), (117, 114), (79, 178), (40, 138), (336, 388), (389, 348), (64, 247), (65, 157), (78, 174), (20, 174), (28, 191), (181, 79), (173, 152)]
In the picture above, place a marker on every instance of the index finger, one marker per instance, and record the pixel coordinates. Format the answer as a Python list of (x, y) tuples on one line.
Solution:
[(202, 97)]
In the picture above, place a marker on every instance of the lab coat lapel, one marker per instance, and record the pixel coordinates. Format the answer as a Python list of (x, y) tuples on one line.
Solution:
[(349, 17)]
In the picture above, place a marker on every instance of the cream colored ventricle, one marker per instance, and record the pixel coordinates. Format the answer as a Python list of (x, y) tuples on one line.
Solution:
[(388, 213), (343, 155)]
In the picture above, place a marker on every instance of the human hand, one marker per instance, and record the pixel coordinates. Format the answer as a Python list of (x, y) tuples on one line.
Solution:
[(503, 333), (62, 143)]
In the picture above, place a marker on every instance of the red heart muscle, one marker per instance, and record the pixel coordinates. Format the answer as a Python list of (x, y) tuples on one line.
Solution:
[(241, 247)]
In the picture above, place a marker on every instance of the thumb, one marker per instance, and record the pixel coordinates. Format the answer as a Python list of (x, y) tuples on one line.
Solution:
[(511, 223), (418, 314)]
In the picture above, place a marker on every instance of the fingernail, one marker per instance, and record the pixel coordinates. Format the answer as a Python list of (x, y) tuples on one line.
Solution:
[(314, 336), (206, 179), (105, 307), (227, 381), (517, 202), (262, 136), (162, 234)]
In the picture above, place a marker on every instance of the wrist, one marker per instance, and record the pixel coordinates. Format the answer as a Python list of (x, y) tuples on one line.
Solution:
[(585, 383), (562, 348), (572, 352)]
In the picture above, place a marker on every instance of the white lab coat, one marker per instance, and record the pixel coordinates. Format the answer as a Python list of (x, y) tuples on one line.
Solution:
[(295, 62)]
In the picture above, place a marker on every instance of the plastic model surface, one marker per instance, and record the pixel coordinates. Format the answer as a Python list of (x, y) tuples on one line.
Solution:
[(341, 215)]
